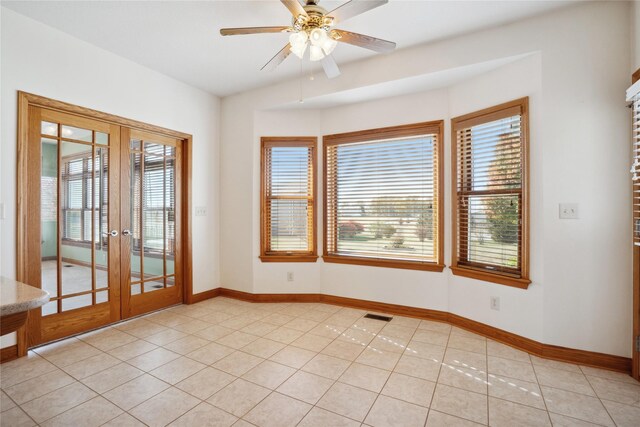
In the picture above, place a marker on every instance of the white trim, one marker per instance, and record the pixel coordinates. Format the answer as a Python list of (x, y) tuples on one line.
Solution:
[(633, 91)]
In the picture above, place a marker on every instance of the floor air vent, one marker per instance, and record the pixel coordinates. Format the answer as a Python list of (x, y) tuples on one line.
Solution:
[(378, 317)]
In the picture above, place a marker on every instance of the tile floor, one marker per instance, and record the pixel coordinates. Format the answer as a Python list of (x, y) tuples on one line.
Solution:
[(224, 362)]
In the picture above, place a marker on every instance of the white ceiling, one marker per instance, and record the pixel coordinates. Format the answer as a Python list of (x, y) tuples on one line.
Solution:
[(181, 38)]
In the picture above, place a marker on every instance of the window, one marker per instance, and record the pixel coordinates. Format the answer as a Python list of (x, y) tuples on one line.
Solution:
[(383, 197), (288, 231), (490, 195)]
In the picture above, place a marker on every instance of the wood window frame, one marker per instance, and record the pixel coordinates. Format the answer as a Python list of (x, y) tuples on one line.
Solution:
[(518, 106), (266, 255), (408, 130)]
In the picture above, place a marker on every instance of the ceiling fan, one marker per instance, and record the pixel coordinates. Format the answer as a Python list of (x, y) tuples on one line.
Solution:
[(313, 26)]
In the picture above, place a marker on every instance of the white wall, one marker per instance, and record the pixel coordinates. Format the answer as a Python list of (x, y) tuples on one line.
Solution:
[(44, 61), (635, 35), (575, 75)]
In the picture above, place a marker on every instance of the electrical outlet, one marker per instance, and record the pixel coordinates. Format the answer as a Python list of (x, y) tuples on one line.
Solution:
[(201, 211), (568, 211), (495, 303), (290, 276)]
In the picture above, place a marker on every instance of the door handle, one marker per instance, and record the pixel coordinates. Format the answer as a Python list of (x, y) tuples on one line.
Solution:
[(126, 232), (113, 233)]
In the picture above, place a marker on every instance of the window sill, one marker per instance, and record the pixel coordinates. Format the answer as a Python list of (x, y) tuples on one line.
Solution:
[(491, 277), (289, 258), (388, 263)]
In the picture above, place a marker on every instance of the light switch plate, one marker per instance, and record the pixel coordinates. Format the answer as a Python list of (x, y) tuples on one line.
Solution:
[(568, 211), (201, 211)]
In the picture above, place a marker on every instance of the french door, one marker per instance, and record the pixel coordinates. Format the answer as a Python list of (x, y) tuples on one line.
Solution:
[(105, 220)]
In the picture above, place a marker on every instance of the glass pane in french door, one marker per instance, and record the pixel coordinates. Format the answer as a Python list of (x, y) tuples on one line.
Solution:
[(74, 193), (153, 215)]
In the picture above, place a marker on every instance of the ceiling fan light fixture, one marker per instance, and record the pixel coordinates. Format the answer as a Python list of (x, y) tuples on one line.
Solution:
[(318, 36), (315, 53), (298, 50), (328, 45)]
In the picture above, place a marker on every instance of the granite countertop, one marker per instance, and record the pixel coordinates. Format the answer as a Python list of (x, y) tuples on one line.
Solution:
[(16, 297)]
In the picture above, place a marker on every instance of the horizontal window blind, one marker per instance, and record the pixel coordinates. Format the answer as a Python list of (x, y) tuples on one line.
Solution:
[(288, 197), (490, 191), (382, 195), (634, 97)]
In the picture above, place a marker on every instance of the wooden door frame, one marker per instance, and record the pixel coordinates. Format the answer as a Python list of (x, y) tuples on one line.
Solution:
[(27, 230), (635, 354)]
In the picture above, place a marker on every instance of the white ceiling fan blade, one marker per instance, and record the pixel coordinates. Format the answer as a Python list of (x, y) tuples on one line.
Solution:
[(294, 7), (330, 67), (364, 41), (278, 58), (253, 30), (353, 8)]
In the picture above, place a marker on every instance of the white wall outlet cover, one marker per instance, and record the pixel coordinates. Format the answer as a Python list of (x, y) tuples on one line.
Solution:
[(495, 303), (201, 210), (568, 211)]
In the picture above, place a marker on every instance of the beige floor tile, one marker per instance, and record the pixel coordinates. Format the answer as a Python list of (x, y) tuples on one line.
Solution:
[(327, 366), (389, 344), (164, 407), (300, 324), (107, 339), (356, 336), (390, 412), (610, 375), (408, 322), (24, 369), (187, 344), (349, 401), (205, 383), (370, 325), (216, 317), (167, 318), (146, 329), (124, 420), (507, 414), (132, 349), (306, 387), (278, 319), (571, 381), (621, 392), (425, 351), (575, 405), (379, 359), (213, 332), (425, 369), (344, 350), (136, 391), (293, 356), (259, 329), (165, 337), (237, 363), (367, 377), (112, 377), (68, 352), (91, 365), (210, 353), (432, 325), (284, 335), (239, 397), (177, 370), (395, 331), (539, 361), (467, 343), (237, 322), (277, 410), (460, 403), (623, 415), (269, 374), (409, 389), (16, 417), (511, 369), (58, 401), (153, 359), (562, 421), (6, 402), (315, 315), (39, 386), (263, 347), (466, 359), (467, 334), (192, 326), (464, 378), (431, 337), (506, 352), (236, 339), (205, 415), (94, 412), (312, 342), (517, 391), (327, 330), (439, 419), (318, 417)]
